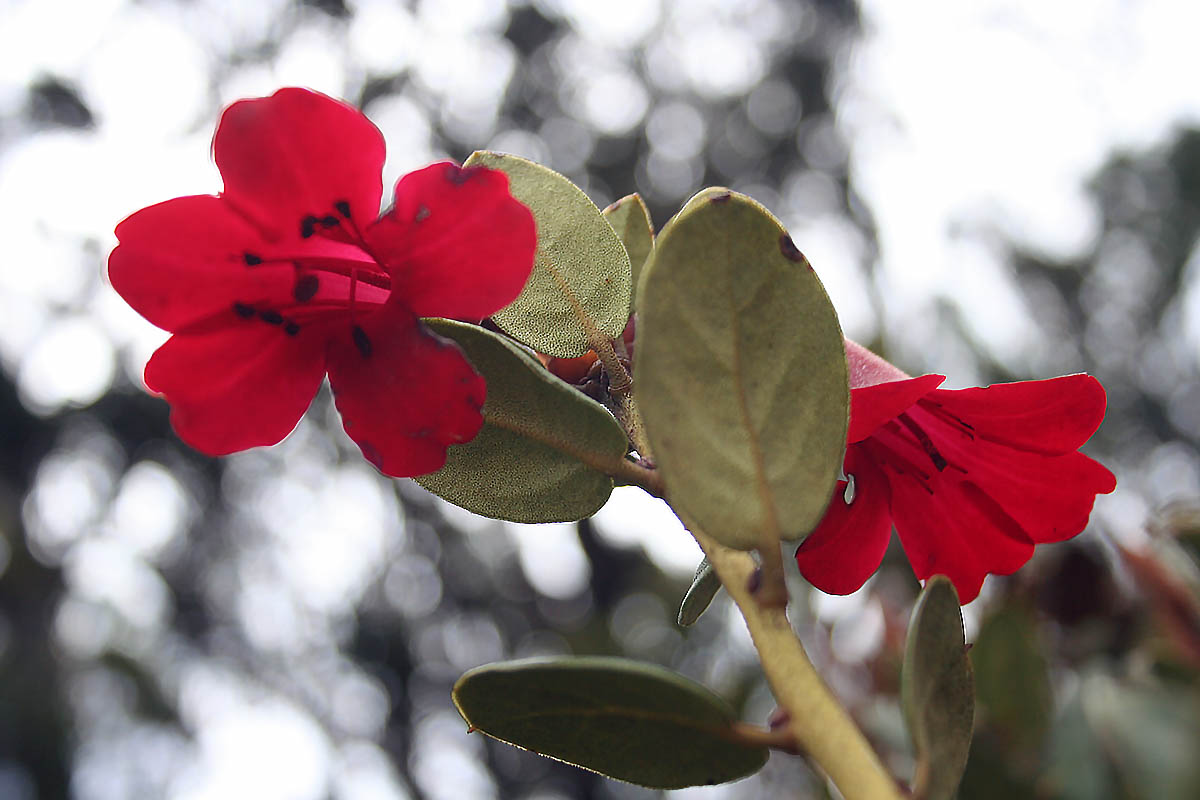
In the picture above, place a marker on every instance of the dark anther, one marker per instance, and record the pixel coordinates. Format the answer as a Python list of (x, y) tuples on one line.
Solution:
[(330, 221), (242, 310), (723, 197), (291, 328), (271, 317), (422, 214), (343, 208), (361, 341), (251, 259), (308, 226), (306, 288), (789, 249)]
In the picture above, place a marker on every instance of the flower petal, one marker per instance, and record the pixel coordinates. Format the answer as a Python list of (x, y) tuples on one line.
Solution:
[(956, 530), (1050, 497), (404, 393), (297, 154), (238, 386), (848, 545), (1053, 416), (873, 405), (182, 262), (456, 242)]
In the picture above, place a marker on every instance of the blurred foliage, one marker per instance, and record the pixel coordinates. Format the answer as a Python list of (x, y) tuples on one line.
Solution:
[(119, 655)]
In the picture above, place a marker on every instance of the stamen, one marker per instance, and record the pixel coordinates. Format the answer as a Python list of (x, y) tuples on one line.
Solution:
[(306, 288), (939, 462), (291, 328), (271, 317), (361, 341), (251, 259), (242, 310)]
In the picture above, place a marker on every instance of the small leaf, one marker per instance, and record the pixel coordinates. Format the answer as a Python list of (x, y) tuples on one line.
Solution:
[(740, 373), (541, 454), (631, 220), (937, 691), (634, 722), (579, 289), (703, 589)]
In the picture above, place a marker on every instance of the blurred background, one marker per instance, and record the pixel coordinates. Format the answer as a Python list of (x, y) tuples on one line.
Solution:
[(996, 191)]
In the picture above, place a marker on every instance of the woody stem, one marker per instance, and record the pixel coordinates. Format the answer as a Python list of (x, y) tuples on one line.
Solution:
[(818, 723)]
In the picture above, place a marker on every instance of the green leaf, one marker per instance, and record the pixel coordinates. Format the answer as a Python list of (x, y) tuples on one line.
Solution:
[(634, 722), (542, 453), (631, 220), (937, 691), (701, 593), (740, 373), (579, 289), (1012, 682)]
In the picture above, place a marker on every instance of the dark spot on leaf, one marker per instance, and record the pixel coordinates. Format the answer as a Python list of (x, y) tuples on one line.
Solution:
[(361, 341), (290, 328), (459, 175), (754, 582), (251, 259), (422, 214), (307, 226), (271, 317), (789, 249), (306, 288), (242, 310), (723, 197), (343, 208)]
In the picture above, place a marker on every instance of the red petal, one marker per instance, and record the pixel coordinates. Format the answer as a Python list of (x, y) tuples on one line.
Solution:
[(956, 530), (298, 153), (239, 386), (456, 242), (183, 262), (404, 393), (1053, 416), (873, 405), (848, 545), (1050, 497)]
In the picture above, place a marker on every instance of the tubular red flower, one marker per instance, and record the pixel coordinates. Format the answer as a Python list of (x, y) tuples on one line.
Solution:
[(288, 275), (972, 479)]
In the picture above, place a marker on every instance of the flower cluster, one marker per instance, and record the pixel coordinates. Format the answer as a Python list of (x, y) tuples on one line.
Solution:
[(972, 479), (290, 275)]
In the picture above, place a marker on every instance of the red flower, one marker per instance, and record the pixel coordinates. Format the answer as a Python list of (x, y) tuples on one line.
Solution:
[(287, 276), (972, 478)]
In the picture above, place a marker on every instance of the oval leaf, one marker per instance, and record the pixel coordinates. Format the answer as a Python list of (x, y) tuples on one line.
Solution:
[(631, 220), (937, 691), (579, 289), (542, 453), (698, 598), (634, 722), (740, 373)]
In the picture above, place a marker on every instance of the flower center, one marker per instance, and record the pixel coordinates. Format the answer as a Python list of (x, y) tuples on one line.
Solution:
[(335, 274), (904, 444)]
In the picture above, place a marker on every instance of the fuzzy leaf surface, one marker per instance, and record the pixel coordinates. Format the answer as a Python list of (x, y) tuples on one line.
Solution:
[(542, 453), (740, 373), (581, 278)]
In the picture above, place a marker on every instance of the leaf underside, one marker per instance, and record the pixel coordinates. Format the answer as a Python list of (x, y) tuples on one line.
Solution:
[(581, 279), (740, 373), (937, 691), (541, 453)]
